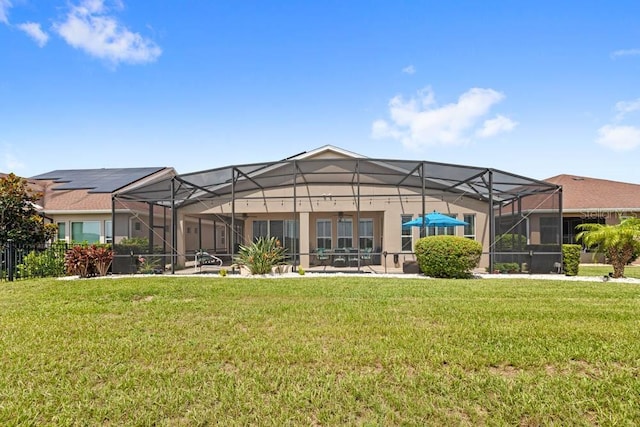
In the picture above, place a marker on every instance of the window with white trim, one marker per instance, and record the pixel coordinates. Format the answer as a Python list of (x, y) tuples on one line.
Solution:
[(62, 231), (108, 231), (365, 233), (470, 228), (323, 234), (406, 233), (345, 233), (85, 231)]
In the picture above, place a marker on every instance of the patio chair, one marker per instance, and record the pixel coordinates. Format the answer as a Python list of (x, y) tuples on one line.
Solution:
[(322, 257), (353, 257), (339, 257), (365, 257)]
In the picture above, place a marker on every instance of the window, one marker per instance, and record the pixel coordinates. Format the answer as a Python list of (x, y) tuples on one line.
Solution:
[(407, 236), (549, 232), (323, 234), (365, 233), (136, 226), (345, 233), (285, 231), (470, 228), (439, 231), (108, 231), (260, 229), (87, 231), (62, 231), (569, 225)]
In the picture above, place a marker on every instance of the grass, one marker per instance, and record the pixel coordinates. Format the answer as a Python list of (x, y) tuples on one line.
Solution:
[(319, 351), (600, 270)]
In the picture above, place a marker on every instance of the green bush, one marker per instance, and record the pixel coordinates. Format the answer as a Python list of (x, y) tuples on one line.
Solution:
[(506, 267), (447, 256), (571, 259), (135, 245), (49, 263), (261, 256), (510, 242)]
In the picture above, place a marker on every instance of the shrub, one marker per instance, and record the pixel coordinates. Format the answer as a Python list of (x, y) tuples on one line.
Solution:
[(135, 245), (571, 259), (86, 261), (506, 267), (510, 242), (261, 256), (223, 272), (447, 256), (150, 265), (49, 263), (301, 271)]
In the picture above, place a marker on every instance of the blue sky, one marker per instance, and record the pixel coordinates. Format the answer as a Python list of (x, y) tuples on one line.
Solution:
[(536, 88)]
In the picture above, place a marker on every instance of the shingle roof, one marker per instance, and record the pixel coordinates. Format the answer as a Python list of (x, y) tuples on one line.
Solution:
[(579, 192), (74, 200)]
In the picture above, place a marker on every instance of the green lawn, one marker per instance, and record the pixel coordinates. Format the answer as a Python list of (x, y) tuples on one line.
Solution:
[(319, 351), (601, 270)]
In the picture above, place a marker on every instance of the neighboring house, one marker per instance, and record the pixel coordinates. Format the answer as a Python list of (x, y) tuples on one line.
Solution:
[(592, 200), (330, 199), (80, 202)]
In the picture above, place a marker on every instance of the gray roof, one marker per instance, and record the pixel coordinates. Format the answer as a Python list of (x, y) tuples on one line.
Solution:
[(97, 180)]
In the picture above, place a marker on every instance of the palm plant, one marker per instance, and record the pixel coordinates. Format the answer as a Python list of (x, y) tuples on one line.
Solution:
[(620, 243), (261, 256)]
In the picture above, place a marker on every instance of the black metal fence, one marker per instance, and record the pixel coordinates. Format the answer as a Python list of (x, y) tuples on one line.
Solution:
[(15, 263)]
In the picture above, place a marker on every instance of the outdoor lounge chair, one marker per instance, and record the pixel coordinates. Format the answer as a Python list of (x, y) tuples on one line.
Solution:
[(205, 258)]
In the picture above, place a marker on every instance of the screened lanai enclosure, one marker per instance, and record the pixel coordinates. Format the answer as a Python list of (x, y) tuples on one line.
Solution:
[(332, 211)]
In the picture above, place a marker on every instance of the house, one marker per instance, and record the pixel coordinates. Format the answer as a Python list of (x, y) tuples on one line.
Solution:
[(592, 200), (333, 200), (80, 202)]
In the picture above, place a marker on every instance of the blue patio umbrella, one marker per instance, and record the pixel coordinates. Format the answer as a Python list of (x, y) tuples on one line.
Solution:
[(434, 219)]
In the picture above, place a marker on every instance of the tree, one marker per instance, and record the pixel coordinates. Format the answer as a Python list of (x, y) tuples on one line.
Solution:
[(620, 243), (19, 219)]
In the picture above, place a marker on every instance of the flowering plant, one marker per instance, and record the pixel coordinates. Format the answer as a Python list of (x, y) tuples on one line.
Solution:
[(262, 255), (148, 265)]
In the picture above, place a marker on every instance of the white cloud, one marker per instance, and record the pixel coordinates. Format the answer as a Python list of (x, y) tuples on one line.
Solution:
[(5, 5), (420, 122), (35, 32), (625, 52), (625, 107), (89, 27), (409, 69), (495, 126), (10, 162), (619, 138)]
